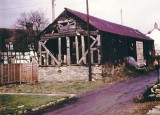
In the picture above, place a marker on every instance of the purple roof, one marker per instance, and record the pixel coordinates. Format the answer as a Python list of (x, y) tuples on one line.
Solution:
[(110, 27)]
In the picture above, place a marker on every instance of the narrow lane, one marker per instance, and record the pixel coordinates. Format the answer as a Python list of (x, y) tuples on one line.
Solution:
[(108, 100)]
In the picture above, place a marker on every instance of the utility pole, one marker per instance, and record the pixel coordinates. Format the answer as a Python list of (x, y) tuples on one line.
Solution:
[(53, 10), (121, 17), (89, 49)]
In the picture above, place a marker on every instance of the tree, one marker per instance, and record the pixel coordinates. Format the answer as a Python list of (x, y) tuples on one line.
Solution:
[(32, 23), (36, 18)]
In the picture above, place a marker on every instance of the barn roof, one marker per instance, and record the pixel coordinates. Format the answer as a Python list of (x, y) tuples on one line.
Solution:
[(110, 27)]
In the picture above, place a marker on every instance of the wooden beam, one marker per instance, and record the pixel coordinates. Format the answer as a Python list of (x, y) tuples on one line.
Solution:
[(83, 49), (56, 61), (52, 61), (92, 56), (68, 50), (99, 57), (98, 40), (47, 58), (77, 49), (40, 53), (73, 33), (93, 38), (87, 50), (59, 50)]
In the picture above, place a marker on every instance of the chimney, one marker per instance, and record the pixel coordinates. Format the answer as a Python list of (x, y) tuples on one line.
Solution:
[(155, 26)]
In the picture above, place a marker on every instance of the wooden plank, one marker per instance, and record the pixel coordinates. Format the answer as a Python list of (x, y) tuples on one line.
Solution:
[(83, 49), (14, 73), (2, 74), (59, 50), (35, 72), (8, 73), (18, 73), (77, 49), (20, 76), (68, 51)]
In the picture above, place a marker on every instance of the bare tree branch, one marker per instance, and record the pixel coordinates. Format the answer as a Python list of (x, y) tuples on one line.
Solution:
[(32, 23)]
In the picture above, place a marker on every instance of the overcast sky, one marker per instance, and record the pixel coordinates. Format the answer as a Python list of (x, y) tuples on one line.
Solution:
[(138, 14)]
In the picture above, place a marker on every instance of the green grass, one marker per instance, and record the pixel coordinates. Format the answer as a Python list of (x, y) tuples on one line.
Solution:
[(11, 103), (53, 87)]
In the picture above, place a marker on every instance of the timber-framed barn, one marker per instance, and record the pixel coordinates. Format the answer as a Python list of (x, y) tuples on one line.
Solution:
[(64, 42)]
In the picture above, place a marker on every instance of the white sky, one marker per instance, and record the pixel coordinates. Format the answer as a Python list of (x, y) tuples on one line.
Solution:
[(138, 14)]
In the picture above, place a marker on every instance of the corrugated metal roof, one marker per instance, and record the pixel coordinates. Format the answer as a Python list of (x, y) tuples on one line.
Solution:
[(110, 27)]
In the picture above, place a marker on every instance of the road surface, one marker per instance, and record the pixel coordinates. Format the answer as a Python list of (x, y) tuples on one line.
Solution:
[(108, 100)]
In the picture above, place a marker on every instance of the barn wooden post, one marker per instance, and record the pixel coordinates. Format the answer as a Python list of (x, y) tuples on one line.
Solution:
[(77, 49), (47, 58), (91, 50), (52, 61), (83, 49), (40, 53), (59, 50), (68, 51)]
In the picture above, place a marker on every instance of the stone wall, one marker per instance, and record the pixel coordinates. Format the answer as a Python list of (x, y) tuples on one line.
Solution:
[(68, 73), (155, 95)]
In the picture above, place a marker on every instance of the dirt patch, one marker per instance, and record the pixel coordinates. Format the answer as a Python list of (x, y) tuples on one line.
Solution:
[(139, 108)]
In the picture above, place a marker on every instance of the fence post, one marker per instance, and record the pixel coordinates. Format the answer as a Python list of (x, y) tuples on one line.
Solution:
[(32, 72), (2, 74), (14, 73), (20, 73), (8, 72)]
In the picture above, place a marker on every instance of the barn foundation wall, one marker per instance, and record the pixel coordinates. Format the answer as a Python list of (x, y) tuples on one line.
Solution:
[(68, 73)]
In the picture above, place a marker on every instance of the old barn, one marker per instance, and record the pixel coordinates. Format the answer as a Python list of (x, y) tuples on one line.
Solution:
[(64, 44)]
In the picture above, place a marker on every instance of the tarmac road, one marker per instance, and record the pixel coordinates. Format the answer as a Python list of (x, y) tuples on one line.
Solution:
[(109, 100)]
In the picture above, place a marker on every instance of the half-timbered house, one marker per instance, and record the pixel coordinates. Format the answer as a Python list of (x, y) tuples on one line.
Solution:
[(15, 47), (64, 42)]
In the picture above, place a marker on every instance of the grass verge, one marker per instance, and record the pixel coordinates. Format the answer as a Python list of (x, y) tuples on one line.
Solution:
[(9, 104)]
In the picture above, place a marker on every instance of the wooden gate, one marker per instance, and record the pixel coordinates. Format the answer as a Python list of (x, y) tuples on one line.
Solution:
[(14, 73)]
